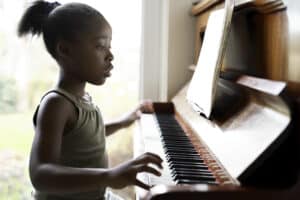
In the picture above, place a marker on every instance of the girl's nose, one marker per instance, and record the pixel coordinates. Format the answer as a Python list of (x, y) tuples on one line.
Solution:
[(110, 57)]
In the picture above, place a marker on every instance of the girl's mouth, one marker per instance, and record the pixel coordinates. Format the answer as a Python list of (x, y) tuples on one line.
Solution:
[(107, 72)]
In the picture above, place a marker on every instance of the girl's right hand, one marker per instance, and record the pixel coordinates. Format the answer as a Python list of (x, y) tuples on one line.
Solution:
[(125, 173)]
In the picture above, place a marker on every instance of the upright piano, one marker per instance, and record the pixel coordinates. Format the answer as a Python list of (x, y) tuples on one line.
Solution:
[(248, 147)]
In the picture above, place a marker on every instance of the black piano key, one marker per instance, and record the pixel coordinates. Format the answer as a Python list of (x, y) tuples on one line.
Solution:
[(174, 160), (173, 152), (182, 154), (194, 177), (174, 156), (175, 136), (170, 126), (198, 176), (189, 168), (187, 163), (190, 156), (179, 158), (206, 175), (176, 141), (180, 151), (186, 181), (196, 164), (170, 129), (172, 133), (183, 168), (177, 146), (184, 161), (191, 171)]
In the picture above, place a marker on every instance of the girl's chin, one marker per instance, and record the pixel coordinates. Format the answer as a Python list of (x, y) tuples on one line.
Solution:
[(99, 82), (102, 80)]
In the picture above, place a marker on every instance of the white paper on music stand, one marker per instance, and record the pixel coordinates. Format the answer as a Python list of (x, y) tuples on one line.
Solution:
[(201, 91)]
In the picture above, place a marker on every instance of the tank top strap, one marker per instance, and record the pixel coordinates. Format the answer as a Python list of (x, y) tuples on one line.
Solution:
[(65, 94), (80, 103), (60, 92)]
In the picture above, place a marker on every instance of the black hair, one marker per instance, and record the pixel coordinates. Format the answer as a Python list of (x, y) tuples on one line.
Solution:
[(56, 21)]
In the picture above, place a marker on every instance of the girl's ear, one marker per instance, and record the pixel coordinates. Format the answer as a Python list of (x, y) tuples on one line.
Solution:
[(62, 49)]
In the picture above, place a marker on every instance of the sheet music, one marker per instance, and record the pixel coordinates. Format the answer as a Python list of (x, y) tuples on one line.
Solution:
[(201, 91), (265, 85)]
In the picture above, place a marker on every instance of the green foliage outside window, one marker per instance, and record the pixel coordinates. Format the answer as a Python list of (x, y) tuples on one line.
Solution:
[(8, 95)]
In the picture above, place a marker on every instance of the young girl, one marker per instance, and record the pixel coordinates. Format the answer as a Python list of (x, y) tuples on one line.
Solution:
[(68, 157)]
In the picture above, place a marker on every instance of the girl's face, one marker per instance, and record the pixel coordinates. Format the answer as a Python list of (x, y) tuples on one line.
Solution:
[(90, 54)]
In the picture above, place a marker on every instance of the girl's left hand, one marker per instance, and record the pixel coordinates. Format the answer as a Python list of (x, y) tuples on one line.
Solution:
[(144, 107)]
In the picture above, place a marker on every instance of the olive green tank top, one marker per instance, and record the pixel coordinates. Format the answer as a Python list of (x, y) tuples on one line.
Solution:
[(82, 146)]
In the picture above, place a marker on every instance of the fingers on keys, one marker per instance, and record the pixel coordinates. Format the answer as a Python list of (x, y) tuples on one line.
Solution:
[(142, 185), (148, 162), (150, 158), (148, 169)]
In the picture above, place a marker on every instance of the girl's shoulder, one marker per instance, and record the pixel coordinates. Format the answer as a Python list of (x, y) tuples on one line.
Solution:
[(59, 96), (54, 105), (55, 101)]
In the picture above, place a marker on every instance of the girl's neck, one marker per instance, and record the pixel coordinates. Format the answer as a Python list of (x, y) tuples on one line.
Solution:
[(75, 87)]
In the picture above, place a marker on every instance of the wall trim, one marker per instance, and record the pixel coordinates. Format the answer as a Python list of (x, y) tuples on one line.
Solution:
[(154, 50)]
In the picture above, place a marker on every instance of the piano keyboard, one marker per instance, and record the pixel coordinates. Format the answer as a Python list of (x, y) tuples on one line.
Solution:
[(186, 165), (182, 163), (151, 143)]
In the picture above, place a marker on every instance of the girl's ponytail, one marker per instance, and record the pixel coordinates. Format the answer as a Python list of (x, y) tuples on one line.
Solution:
[(34, 17), (63, 23)]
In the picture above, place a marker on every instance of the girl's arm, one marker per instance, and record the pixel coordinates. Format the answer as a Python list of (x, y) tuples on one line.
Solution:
[(48, 176), (113, 126), (125, 121)]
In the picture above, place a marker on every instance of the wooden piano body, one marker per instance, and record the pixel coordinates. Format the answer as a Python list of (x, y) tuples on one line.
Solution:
[(251, 135)]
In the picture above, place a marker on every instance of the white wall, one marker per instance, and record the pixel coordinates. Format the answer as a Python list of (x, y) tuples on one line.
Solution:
[(168, 32), (181, 44)]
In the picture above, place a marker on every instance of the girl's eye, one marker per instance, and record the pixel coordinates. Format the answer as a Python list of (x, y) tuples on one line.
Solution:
[(100, 47)]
